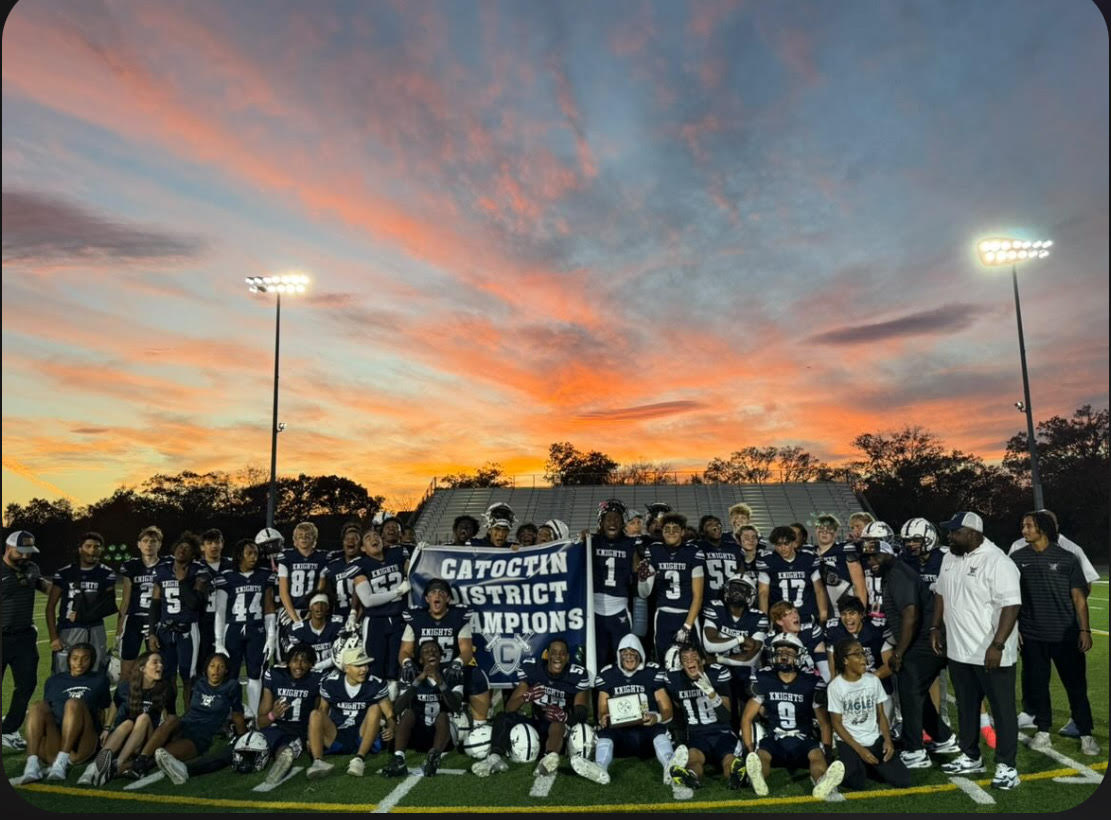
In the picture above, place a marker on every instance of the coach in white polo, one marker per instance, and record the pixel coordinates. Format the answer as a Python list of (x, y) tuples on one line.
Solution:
[(976, 605)]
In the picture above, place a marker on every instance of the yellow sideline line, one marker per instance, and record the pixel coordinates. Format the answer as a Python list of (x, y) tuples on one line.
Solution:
[(620, 807)]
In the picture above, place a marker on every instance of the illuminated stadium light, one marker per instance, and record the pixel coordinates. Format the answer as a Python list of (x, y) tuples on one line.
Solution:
[(1002, 250)]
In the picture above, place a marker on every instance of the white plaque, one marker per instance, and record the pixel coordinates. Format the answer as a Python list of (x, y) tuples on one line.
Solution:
[(626, 709)]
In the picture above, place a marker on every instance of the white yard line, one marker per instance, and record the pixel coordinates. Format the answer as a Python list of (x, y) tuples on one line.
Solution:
[(1091, 775), (542, 785), (973, 790), (266, 787), (146, 781), (393, 798)]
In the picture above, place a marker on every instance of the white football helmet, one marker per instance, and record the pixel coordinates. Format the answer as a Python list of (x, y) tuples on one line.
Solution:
[(878, 531), (499, 514), (920, 528), (671, 659), (477, 744), (524, 743), (345, 640), (251, 753), (461, 724), (581, 741), (270, 542)]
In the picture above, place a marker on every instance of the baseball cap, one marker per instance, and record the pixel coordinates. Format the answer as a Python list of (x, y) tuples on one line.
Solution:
[(438, 583), (23, 541), (354, 656), (965, 519)]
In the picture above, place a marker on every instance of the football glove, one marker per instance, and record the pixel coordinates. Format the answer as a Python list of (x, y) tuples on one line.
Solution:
[(534, 693), (220, 649), (682, 634), (403, 590), (704, 684), (408, 671), (554, 714), (645, 570), (453, 676), (270, 647)]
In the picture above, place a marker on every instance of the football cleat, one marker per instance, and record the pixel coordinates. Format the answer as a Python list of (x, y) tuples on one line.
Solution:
[(547, 765), (170, 766), (963, 765), (590, 770), (281, 765), (105, 767), (491, 764), (677, 769), (397, 767), (737, 773), (829, 781), (432, 762), (681, 792), (755, 769), (356, 767)]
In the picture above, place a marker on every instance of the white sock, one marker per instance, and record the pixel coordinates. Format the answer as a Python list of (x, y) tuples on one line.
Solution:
[(478, 723), (603, 752), (985, 719), (392, 687), (664, 751), (254, 694), (32, 763), (62, 759)]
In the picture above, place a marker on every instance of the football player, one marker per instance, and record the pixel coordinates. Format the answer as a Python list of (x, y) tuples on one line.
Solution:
[(791, 702), (614, 557), (749, 539), (645, 738), (722, 555), (794, 575), (854, 625), (382, 590), (841, 570), (353, 703), (700, 692), (245, 617), (300, 571), (735, 630), (921, 549), (138, 581), (319, 631), (423, 712), (87, 591), (558, 691), (871, 537), (463, 529), (552, 530), (499, 521), (212, 556), (342, 569), (814, 659), (178, 598), (673, 574), (289, 696), (449, 626)]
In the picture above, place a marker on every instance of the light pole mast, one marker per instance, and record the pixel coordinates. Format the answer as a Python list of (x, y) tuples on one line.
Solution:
[(1031, 442)]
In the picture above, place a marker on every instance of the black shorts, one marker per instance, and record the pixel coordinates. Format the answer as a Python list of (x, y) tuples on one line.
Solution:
[(201, 736), (790, 752), (714, 745)]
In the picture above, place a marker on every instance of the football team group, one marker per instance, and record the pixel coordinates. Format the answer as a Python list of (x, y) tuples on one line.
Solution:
[(720, 652)]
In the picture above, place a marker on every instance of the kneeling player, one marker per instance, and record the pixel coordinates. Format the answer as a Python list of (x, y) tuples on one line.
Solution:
[(791, 702), (423, 710), (640, 737), (352, 705), (558, 691), (701, 692), (289, 696)]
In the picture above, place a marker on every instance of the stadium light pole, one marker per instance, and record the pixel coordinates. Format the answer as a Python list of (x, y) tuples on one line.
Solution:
[(286, 283), (1003, 250)]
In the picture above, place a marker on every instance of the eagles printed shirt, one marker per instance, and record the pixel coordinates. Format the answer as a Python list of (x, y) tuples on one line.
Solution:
[(751, 624), (643, 682), (386, 575), (300, 693), (789, 708), (420, 626), (614, 562), (348, 710), (142, 582), (792, 581), (173, 610), (303, 572), (245, 592), (559, 691), (322, 641), (211, 706), (675, 569), (691, 702), (72, 581), (90, 688), (341, 575), (721, 562)]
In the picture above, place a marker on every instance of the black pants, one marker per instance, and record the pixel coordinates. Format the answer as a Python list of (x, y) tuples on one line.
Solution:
[(1071, 666), (22, 655), (857, 772), (919, 670), (971, 684)]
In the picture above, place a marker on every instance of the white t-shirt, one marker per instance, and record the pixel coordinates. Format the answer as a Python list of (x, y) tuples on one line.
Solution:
[(1090, 574), (975, 588), (856, 703)]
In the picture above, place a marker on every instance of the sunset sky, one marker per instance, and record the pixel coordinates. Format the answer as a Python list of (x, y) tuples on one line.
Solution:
[(661, 230)]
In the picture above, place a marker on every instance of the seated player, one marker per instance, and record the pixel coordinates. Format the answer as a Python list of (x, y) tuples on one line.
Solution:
[(559, 692), (450, 627), (319, 631), (141, 699), (790, 702), (701, 694), (734, 630), (785, 618), (856, 709), (62, 728), (178, 599), (289, 696), (423, 712), (644, 737), (353, 703), (215, 699)]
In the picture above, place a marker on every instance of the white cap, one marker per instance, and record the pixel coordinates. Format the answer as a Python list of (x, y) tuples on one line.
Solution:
[(965, 519), (23, 541)]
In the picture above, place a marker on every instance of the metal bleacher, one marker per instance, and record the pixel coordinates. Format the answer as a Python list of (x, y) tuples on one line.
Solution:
[(772, 504)]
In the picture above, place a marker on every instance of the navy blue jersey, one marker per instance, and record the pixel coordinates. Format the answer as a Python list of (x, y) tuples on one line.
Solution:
[(748, 567), (384, 576), (875, 598), (303, 572), (420, 626), (812, 637), (72, 581), (322, 641), (644, 682), (789, 708), (792, 581), (225, 564), (91, 688), (675, 568), (300, 693), (142, 582), (173, 608), (211, 706), (871, 641), (427, 701), (123, 694), (347, 708), (721, 562), (929, 569), (835, 563), (614, 562), (341, 574), (245, 593), (691, 704), (559, 691), (751, 624)]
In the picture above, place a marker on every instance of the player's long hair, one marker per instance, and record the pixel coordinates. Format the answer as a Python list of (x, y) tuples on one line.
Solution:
[(161, 694)]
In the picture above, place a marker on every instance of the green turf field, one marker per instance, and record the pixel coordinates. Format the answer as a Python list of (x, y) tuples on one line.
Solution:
[(635, 786)]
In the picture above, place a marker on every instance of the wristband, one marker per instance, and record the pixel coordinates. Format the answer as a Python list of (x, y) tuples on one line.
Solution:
[(271, 716)]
